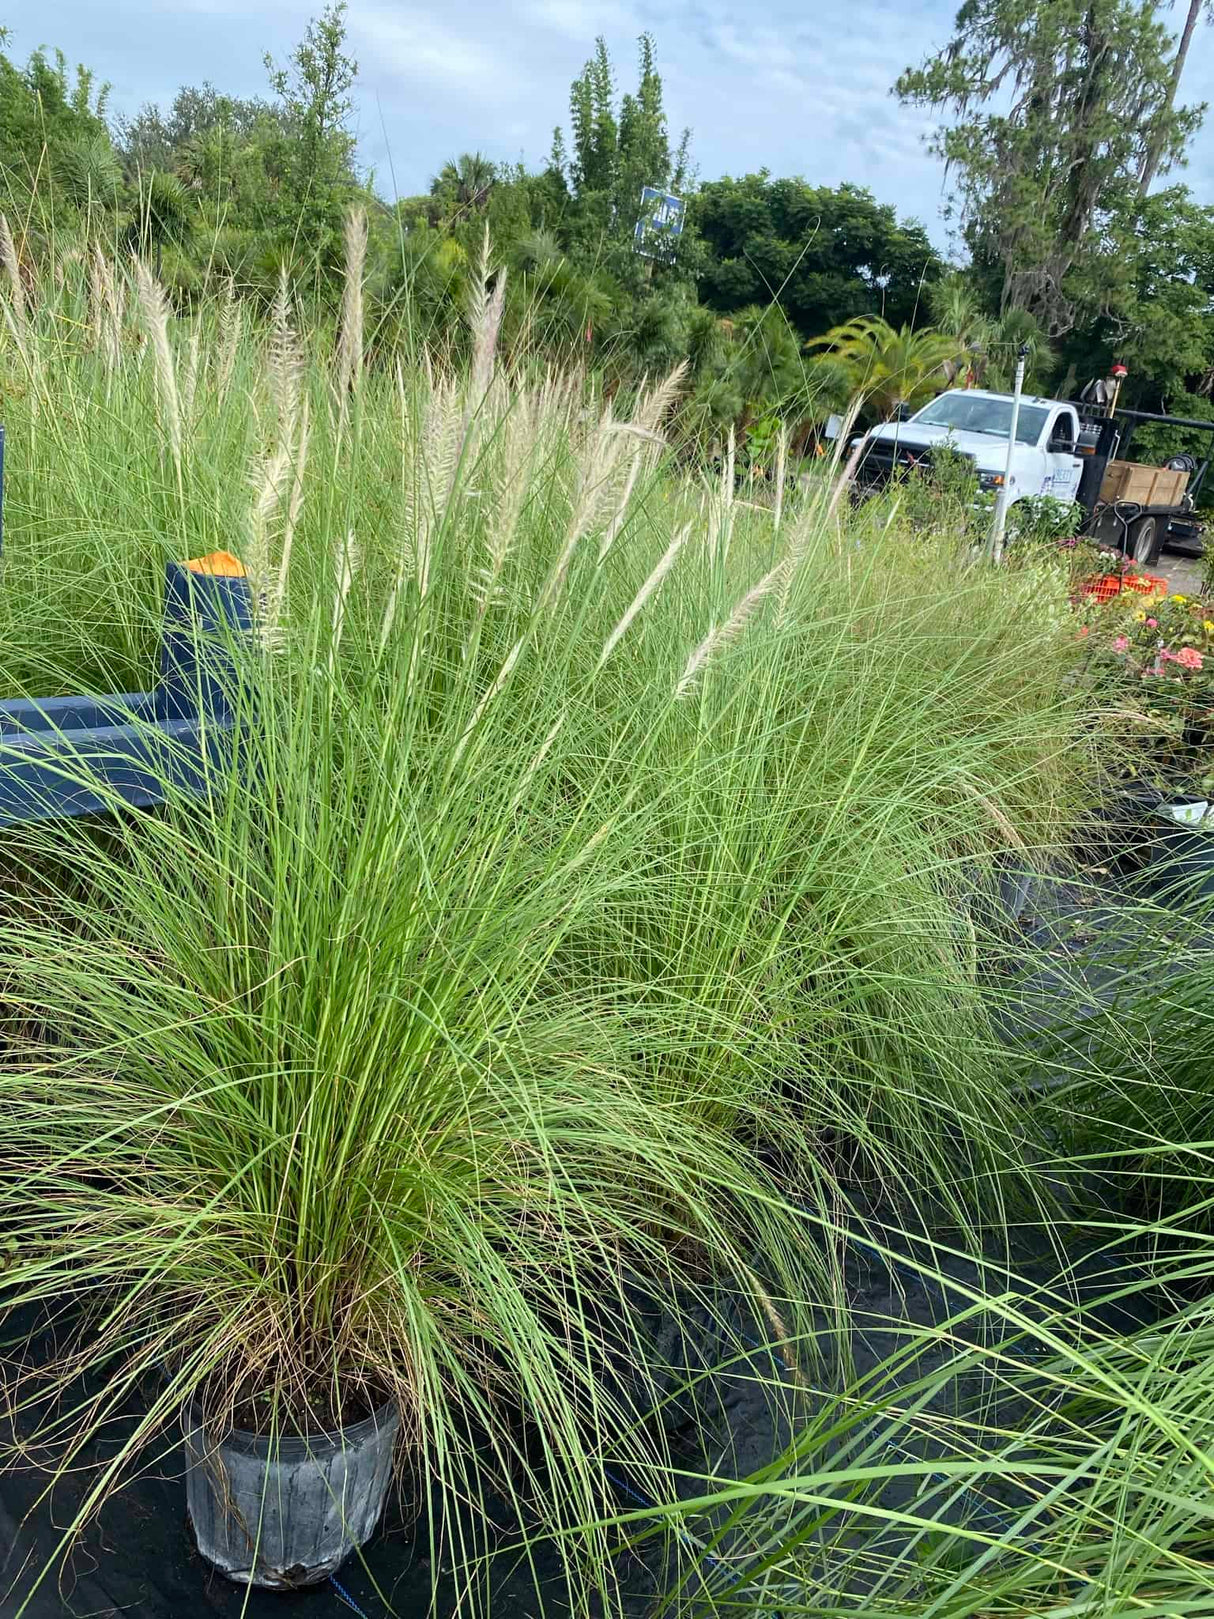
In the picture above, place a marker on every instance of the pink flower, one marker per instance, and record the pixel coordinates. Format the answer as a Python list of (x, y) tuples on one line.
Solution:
[(1168, 655), (1152, 623), (1083, 632), (1121, 644), (1189, 657)]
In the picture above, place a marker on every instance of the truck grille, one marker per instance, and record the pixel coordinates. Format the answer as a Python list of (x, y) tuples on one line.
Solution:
[(881, 462)]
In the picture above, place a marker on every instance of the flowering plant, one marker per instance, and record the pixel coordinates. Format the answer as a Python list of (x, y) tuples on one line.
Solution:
[(1162, 645)]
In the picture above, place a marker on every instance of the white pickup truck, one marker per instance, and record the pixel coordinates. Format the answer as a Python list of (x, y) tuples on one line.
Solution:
[(1045, 460), (1072, 452)]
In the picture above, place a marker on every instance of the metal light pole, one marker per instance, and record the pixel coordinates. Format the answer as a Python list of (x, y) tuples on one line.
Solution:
[(1005, 488)]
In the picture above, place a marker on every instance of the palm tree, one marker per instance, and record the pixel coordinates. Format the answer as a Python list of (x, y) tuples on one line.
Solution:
[(1015, 330), (765, 362), (987, 346), (957, 314), (467, 182), (165, 216), (88, 172), (889, 366)]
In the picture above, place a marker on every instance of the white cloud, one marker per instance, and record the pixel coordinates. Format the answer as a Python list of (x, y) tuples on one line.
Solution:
[(581, 20), (422, 51), (801, 88)]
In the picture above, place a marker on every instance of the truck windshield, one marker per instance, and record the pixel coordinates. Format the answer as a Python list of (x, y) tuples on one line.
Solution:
[(974, 413)]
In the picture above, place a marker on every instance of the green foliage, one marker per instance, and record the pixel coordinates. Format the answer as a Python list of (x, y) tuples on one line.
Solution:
[(1039, 182), (256, 181), (683, 798), (1156, 298), (164, 215), (153, 139), (317, 154), (54, 144), (889, 367), (615, 149), (1039, 1448), (241, 187), (673, 838), (990, 345), (464, 187), (88, 173), (826, 256), (1155, 443), (1039, 520)]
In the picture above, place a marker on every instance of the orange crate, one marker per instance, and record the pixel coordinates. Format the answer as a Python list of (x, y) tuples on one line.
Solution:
[(1112, 584)]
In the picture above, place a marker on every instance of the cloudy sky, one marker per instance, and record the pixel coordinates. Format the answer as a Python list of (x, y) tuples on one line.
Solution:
[(804, 90)]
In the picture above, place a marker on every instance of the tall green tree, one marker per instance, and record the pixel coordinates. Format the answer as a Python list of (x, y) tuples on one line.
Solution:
[(316, 158), (1052, 108), (1157, 303), (615, 151), (826, 255)]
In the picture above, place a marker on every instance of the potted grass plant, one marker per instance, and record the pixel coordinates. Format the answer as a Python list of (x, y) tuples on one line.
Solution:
[(330, 1096), (373, 1104), (329, 1159)]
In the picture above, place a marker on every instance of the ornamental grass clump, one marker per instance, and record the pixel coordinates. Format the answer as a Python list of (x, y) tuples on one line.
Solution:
[(575, 923), (1041, 1446)]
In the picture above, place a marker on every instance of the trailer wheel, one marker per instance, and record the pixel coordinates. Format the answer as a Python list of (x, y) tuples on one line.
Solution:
[(1146, 541)]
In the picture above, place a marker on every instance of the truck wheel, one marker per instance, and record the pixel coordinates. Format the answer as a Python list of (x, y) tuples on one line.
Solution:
[(1146, 540)]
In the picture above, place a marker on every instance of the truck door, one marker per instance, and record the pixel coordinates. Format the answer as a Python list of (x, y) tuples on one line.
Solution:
[(1063, 467)]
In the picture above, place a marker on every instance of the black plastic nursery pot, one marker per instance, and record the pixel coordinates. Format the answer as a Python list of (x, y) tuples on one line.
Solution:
[(285, 1512), (1125, 829), (1182, 862)]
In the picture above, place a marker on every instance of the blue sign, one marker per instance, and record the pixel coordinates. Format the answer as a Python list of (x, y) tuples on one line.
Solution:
[(660, 224)]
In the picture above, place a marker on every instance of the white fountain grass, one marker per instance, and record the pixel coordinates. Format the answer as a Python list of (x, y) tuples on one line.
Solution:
[(471, 1008)]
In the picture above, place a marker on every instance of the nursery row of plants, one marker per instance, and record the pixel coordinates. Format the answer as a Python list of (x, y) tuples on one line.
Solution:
[(579, 1002)]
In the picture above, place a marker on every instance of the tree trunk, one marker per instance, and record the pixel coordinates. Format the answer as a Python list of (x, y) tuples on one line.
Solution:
[(1150, 162)]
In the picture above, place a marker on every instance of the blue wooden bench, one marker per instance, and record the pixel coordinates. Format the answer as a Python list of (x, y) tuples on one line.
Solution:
[(65, 756)]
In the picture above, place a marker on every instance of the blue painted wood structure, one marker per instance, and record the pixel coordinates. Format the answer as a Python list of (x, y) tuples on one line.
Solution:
[(65, 756)]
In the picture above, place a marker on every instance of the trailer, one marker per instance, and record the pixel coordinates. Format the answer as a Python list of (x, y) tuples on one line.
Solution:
[(1133, 507)]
